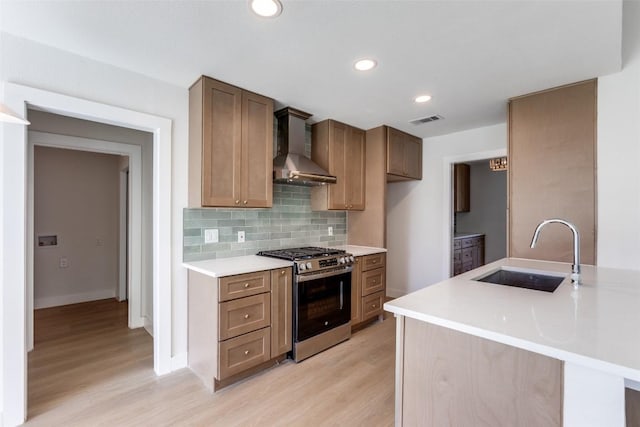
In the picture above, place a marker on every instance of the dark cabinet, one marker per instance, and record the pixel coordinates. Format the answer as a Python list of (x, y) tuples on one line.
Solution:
[(468, 253), (461, 185)]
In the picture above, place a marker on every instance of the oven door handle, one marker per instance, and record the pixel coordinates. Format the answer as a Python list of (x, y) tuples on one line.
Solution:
[(314, 276)]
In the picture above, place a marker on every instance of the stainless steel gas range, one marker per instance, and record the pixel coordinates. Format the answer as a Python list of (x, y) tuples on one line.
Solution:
[(321, 297)]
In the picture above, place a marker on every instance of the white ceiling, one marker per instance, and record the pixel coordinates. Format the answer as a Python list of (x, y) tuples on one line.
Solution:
[(471, 56)]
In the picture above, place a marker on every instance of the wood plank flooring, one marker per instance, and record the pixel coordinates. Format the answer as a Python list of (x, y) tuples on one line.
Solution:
[(88, 368)]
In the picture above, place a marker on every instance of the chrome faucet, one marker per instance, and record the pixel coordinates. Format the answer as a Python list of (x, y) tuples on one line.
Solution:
[(575, 267)]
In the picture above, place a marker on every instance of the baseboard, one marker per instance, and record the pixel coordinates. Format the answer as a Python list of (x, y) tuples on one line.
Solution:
[(395, 293), (179, 361), (73, 298)]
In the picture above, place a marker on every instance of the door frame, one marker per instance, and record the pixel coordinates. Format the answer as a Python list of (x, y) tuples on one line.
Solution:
[(123, 227), (133, 281), (13, 231), (447, 199)]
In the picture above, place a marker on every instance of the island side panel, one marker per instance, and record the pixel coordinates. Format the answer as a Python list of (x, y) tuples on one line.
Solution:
[(203, 321), (451, 378)]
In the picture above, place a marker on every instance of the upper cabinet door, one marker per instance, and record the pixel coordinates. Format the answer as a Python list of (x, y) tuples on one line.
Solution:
[(338, 135), (404, 156), (257, 150), (355, 156), (221, 136)]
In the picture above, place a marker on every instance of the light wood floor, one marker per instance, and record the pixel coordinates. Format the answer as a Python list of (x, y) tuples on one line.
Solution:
[(88, 368)]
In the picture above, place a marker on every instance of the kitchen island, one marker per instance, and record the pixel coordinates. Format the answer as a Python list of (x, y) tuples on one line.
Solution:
[(489, 352)]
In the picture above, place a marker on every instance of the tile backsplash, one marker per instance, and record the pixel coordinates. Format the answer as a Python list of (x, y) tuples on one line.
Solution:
[(289, 223)]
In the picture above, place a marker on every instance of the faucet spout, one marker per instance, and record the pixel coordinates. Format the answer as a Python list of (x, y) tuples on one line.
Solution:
[(575, 267)]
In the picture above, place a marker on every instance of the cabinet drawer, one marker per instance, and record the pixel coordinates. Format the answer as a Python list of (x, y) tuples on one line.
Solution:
[(467, 243), (243, 285), (457, 255), (457, 268), (457, 244), (370, 262), (243, 352), (244, 315), (373, 281), (467, 266), (467, 255), (372, 305)]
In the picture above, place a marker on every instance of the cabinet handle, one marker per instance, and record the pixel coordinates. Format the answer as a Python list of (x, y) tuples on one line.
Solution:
[(283, 272), (346, 206), (374, 280), (373, 306), (374, 261), (245, 202), (237, 202), (246, 352), (246, 285), (350, 206), (246, 316)]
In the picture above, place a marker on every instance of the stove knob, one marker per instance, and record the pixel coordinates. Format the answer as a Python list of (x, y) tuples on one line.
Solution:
[(309, 266), (341, 260), (351, 258), (302, 267)]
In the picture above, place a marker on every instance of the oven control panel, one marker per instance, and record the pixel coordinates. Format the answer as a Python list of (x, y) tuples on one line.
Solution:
[(324, 263)]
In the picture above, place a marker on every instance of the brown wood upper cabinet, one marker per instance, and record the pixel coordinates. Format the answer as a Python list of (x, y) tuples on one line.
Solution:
[(552, 171), (461, 185), (404, 156), (230, 146), (340, 149)]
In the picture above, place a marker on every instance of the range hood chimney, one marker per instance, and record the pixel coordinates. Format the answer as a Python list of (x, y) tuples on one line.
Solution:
[(291, 166)]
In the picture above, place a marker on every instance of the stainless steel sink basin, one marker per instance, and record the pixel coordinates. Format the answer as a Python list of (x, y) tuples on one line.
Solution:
[(546, 282)]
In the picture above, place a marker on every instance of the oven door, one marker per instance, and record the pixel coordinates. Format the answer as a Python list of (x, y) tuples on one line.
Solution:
[(322, 302)]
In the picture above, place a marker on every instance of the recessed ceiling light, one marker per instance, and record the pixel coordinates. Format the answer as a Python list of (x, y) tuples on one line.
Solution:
[(266, 8), (422, 98), (365, 64)]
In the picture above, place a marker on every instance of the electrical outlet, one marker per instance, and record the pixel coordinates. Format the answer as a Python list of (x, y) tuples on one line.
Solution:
[(64, 262), (240, 236), (330, 231), (211, 235)]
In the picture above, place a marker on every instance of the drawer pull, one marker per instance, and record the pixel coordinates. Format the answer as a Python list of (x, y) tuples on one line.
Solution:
[(246, 285), (245, 202), (373, 306), (375, 261), (283, 272), (237, 202), (246, 352), (246, 316), (374, 280)]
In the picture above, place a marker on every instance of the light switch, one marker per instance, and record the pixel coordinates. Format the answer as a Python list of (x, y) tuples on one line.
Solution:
[(211, 235)]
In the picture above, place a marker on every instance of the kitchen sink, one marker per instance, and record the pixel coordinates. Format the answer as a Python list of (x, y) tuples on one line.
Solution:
[(546, 282)]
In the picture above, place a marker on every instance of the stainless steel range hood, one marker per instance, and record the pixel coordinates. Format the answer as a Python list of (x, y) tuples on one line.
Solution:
[(291, 166)]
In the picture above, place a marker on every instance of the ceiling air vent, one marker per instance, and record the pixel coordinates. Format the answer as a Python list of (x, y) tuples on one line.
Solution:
[(426, 119)]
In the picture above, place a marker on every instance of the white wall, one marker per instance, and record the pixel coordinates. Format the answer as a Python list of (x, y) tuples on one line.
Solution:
[(76, 199), (618, 237), (32, 64), (415, 211), (488, 214), (62, 125)]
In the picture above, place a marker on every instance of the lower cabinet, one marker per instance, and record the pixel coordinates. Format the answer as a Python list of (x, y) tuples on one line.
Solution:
[(238, 324), (368, 288), (468, 253)]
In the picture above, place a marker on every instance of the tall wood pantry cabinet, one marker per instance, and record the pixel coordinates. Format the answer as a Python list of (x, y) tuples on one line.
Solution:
[(340, 149), (230, 146), (552, 171)]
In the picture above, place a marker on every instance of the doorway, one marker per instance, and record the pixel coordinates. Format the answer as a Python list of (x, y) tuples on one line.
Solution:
[(14, 237), (479, 214)]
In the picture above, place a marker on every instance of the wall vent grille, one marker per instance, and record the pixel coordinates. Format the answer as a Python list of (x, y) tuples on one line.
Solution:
[(426, 119)]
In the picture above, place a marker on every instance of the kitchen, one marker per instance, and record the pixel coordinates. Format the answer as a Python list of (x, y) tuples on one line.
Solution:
[(414, 209)]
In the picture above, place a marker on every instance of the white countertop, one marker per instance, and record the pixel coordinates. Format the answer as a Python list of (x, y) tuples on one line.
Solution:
[(597, 325), (360, 250), (236, 265), (463, 235)]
